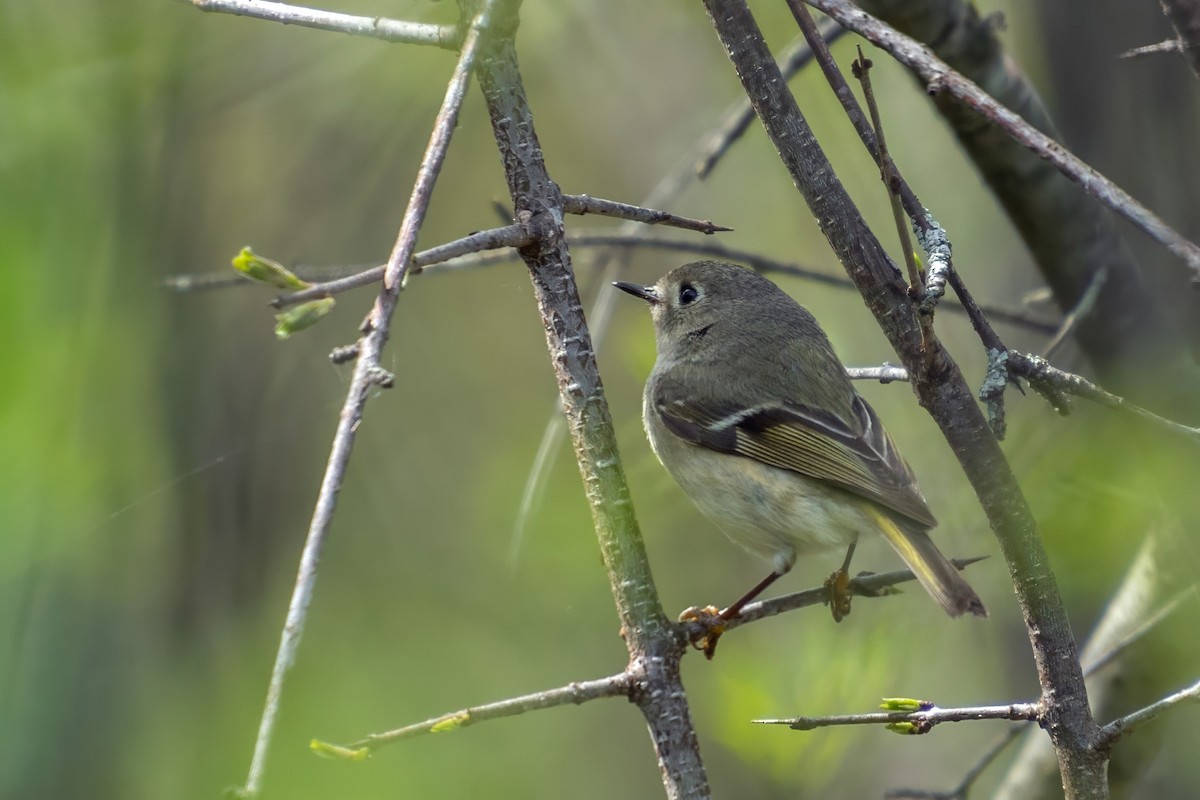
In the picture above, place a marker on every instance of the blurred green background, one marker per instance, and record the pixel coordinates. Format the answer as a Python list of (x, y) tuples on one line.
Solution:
[(163, 451)]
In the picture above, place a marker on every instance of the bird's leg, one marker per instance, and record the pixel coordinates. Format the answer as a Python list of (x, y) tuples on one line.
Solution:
[(714, 620), (838, 584)]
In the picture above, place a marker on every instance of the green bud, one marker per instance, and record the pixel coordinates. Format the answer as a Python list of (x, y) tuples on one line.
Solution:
[(302, 316), (905, 704), (327, 750), (266, 271), (449, 723)]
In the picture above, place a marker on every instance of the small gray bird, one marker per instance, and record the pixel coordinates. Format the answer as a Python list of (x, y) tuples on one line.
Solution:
[(752, 413)]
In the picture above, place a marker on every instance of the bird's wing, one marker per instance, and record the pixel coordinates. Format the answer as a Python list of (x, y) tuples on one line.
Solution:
[(809, 441)]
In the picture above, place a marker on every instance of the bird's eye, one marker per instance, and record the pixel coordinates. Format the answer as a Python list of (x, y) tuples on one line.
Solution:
[(688, 294)]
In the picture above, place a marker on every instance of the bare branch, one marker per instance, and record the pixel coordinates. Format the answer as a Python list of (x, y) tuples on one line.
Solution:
[(576, 693), (585, 204), (865, 584), (509, 236), (939, 385), (1126, 725), (1185, 19), (922, 721), (1043, 376), (884, 374), (654, 644), (939, 77), (1169, 46), (390, 30), (364, 379)]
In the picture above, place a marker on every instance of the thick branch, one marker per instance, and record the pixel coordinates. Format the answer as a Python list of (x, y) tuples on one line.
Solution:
[(1128, 335), (655, 646), (942, 391), (940, 78)]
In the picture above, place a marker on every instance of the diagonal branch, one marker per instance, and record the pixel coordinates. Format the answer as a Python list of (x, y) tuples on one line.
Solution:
[(574, 693), (941, 389), (1126, 725), (586, 204), (655, 645), (367, 373), (941, 78)]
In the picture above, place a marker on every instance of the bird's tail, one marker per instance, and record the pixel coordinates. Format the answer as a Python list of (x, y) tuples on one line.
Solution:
[(941, 579)]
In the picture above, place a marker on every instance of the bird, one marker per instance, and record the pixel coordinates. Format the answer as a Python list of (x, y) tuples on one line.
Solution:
[(751, 412)]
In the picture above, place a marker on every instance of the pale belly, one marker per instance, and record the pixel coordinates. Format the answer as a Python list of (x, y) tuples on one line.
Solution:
[(773, 513)]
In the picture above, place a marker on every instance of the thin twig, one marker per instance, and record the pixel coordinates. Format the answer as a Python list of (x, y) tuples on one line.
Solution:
[(884, 374), (576, 693), (1045, 377), (1169, 46), (429, 262), (866, 584), (1185, 19), (939, 77), (1126, 725), (366, 376), (861, 68), (923, 720), (508, 236), (389, 30), (586, 204)]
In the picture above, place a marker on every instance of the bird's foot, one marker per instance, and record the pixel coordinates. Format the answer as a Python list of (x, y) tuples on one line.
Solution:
[(838, 586), (711, 624)]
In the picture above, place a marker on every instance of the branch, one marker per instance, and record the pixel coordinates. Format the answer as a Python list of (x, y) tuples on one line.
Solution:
[(1051, 382), (865, 584), (1185, 19), (585, 204), (367, 374), (939, 78), (884, 374), (941, 389), (922, 721), (576, 693), (389, 30), (1118, 728), (517, 235), (654, 644)]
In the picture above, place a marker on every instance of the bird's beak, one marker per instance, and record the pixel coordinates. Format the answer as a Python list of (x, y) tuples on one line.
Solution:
[(647, 293)]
